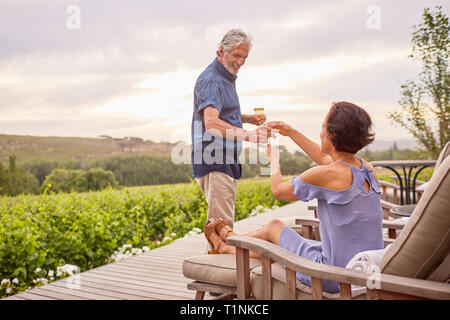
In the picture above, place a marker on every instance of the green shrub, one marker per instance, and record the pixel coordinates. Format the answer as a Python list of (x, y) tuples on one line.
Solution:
[(63, 180), (84, 229)]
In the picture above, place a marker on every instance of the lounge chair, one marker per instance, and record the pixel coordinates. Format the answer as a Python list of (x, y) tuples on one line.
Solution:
[(416, 266)]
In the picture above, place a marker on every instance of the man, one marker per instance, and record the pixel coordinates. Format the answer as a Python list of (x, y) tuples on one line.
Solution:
[(217, 132)]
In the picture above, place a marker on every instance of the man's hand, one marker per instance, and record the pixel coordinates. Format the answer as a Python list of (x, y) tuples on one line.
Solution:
[(260, 135), (283, 128), (253, 119)]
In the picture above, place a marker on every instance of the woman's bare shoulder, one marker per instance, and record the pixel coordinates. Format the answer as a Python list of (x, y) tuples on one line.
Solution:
[(320, 175)]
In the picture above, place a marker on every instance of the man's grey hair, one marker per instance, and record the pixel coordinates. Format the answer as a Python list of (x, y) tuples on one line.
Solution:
[(233, 39)]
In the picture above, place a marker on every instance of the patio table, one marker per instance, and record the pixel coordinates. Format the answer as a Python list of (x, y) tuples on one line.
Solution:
[(403, 211), (405, 191)]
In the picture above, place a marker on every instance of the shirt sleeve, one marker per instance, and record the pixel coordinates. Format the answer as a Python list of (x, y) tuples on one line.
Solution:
[(208, 94), (302, 190)]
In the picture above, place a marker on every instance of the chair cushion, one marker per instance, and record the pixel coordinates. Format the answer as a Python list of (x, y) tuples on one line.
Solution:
[(214, 268), (425, 240), (445, 152), (279, 291)]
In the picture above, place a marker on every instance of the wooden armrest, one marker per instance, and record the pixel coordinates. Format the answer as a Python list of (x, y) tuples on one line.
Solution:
[(310, 228), (314, 222), (318, 271), (387, 205), (393, 225), (388, 184)]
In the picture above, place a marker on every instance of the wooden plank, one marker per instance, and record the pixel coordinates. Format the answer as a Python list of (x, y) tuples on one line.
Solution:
[(149, 281), (392, 233), (127, 269), (159, 257), (345, 291), (164, 282), (243, 273), (208, 287), (75, 292), (43, 291), (316, 287), (148, 273), (14, 297), (372, 294), (32, 296), (307, 232), (388, 295), (199, 295), (179, 291), (291, 284), (267, 277), (89, 287), (129, 288), (152, 264), (145, 261)]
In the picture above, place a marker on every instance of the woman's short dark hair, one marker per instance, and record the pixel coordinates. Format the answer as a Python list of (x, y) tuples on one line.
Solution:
[(349, 127)]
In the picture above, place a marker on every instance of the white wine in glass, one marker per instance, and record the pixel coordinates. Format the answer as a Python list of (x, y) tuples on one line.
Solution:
[(259, 112)]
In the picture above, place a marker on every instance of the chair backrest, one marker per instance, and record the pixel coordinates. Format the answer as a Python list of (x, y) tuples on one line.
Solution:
[(443, 155), (424, 243)]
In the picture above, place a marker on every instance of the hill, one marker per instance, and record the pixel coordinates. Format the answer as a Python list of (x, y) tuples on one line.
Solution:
[(73, 148)]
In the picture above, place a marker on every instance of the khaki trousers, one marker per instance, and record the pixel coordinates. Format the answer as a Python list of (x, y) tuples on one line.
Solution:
[(220, 192)]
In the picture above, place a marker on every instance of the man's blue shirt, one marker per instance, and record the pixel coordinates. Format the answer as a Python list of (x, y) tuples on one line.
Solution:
[(215, 87)]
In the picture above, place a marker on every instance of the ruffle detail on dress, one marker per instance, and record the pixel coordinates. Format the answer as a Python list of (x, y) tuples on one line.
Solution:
[(306, 192)]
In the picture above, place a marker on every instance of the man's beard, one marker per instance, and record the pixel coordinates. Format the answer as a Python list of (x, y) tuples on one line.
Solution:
[(228, 65)]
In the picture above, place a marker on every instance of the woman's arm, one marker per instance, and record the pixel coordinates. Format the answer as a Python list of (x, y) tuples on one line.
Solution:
[(311, 148), (281, 190)]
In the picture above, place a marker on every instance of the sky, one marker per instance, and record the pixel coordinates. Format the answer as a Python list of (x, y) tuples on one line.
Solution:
[(128, 68)]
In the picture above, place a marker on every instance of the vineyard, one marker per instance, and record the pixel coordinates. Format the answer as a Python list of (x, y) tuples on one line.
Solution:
[(47, 237)]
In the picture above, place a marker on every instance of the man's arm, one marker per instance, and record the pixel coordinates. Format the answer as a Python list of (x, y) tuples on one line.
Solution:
[(253, 119), (214, 125)]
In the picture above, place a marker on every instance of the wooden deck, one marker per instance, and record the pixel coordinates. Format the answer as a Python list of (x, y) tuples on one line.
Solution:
[(155, 274)]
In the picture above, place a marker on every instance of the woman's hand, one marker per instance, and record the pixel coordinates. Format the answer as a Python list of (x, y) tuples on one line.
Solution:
[(272, 154), (283, 128)]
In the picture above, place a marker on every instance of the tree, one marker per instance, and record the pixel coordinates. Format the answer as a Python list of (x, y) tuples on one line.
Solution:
[(19, 181), (4, 180), (40, 168), (425, 103), (64, 180)]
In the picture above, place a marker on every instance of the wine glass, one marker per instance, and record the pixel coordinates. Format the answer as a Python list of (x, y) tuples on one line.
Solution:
[(259, 112)]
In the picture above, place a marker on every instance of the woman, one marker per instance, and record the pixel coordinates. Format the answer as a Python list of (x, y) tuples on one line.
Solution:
[(344, 185)]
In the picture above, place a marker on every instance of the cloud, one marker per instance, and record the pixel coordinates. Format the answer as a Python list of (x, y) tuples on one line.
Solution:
[(132, 65)]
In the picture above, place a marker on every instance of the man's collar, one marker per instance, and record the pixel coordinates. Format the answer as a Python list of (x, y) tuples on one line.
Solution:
[(223, 71)]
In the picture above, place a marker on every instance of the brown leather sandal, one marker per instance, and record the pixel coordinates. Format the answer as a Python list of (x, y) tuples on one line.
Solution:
[(214, 244), (222, 228)]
